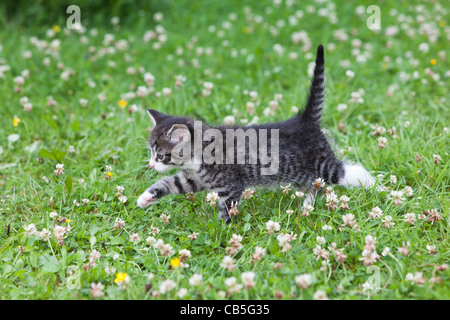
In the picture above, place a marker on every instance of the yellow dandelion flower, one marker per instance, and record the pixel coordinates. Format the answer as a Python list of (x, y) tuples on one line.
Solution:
[(109, 174), (433, 61), (122, 104), (121, 276), (441, 24), (16, 121), (174, 263), (56, 28), (68, 220)]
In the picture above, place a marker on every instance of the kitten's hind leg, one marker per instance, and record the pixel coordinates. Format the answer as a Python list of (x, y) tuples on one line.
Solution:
[(309, 198), (310, 194), (227, 201)]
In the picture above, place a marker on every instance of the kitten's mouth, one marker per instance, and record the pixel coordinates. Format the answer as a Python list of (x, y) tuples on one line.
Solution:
[(160, 167)]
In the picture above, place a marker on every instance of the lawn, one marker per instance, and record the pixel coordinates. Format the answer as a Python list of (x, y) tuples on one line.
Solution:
[(74, 157)]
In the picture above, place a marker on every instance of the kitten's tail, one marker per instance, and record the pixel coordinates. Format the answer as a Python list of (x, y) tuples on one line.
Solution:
[(313, 109)]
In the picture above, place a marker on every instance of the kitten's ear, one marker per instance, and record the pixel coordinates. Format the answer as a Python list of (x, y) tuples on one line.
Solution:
[(156, 116), (178, 133)]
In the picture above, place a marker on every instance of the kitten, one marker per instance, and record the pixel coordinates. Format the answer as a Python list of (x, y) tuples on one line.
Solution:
[(293, 151)]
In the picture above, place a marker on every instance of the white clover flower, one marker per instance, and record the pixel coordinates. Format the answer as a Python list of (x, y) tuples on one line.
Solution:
[(45, 234), (274, 104), (304, 280), (321, 253), (410, 218), (166, 92), (83, 102), (320, 295), (248, 279), (369, 257), (110, 270), (212, 197), (229, 120), (181, 293), (150, 240), (385, 251), (165, 218), (397, 197), (166, 250), (299, 194), (149, 78), (97, 290), (228, 263), (184, 254), (278, 97), (348, 218), (424, 47), (59, 169), (30, 229), (284, 242), (320, 240), (259, 252), (318, 183), (341, 107), (376, 213), (350, 73), (272, 226), (248, 193), (135, 238), (387, 221), (60, 232), (196, 280), (208, 85), (119, 223), (166, 286), (232, 284), (436, 158), (382, 141), (158, 16), (408, 191)]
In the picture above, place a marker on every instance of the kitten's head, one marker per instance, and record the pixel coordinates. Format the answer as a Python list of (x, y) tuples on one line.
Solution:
[(167, 138)]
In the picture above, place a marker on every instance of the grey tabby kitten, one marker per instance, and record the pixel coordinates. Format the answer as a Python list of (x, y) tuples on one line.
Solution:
[(302, 152)]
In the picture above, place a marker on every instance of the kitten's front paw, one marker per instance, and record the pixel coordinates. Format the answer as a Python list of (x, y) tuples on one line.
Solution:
[(146, 199)]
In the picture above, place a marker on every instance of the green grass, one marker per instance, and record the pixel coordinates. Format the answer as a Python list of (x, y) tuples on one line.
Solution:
[(105, 134)]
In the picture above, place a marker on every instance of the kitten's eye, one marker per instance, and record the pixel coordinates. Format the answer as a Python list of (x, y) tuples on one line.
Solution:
[(160, 157)]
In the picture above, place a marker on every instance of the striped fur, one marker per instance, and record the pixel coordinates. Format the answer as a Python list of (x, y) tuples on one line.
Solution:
[(304, 156)]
